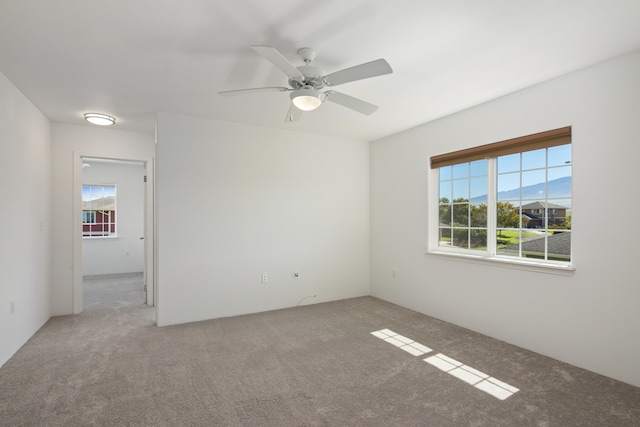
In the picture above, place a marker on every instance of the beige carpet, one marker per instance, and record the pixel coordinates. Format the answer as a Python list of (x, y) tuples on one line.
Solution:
[(316, 365)]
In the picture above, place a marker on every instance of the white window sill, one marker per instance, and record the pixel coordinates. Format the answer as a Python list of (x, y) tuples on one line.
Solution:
[(100, 237), (518, 264)]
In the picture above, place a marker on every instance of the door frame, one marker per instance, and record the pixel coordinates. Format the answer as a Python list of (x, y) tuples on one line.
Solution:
[(149, 225)]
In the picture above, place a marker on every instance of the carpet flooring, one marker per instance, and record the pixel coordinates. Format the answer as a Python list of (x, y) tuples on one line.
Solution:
[(356, 362)]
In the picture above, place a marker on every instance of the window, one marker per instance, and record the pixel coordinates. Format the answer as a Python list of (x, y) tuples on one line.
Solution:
[(509, 200), (98, 210)]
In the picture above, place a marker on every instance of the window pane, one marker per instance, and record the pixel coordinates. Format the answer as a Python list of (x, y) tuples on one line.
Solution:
[(535, 247), (508, 242), (461, 189), (478, 168), (445, 237), (444, 173), (559, 182), (478, 215), (559, 246), (461, 215), (445, 214), (509, 186), (445, 191), (478, 190), (560, 155), (561, 218), (534, 159), (555, 216), (108, 191), (461, 238), (478, 239), (101, 203), (533, 184), (509, 163), (461, 170), (507, 215), (561, 172)]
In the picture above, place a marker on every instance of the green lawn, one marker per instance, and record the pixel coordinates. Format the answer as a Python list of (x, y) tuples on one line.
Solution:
[(506, 237)]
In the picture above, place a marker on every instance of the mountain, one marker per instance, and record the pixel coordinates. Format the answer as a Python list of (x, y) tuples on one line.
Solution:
[(557, 188)]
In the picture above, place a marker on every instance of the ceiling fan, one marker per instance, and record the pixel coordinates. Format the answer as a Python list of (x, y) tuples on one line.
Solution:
[(306, 82)]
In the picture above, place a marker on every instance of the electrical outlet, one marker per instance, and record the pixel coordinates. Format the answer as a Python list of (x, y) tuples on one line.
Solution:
[(265, 278)]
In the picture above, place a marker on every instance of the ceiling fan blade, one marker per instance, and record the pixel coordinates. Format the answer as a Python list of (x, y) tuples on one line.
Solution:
[(375, 68), (294, 114), (350, 102), (254, 90), (279, 61)]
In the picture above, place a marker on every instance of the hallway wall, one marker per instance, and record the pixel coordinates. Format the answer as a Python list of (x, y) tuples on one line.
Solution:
[(25, 219)]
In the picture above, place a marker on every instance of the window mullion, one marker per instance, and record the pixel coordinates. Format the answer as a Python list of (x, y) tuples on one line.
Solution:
[(491, 206)]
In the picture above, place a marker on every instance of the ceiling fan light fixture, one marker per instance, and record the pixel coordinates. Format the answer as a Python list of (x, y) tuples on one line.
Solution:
[(99, 119), (307, 99)]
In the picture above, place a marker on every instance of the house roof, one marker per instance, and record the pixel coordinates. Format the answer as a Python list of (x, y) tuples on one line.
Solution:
[(529, 215), (139, 57), (559, 243), (542, 205), (101, 204)]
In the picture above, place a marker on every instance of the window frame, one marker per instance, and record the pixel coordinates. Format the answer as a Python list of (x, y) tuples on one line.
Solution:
[(556, 137)]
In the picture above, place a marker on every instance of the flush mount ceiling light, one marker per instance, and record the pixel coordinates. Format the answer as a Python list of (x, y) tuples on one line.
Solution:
[(307, 98), (99, 119)]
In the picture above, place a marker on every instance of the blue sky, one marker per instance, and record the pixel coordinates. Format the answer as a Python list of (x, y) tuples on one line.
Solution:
[(96, 192), (469, 180)]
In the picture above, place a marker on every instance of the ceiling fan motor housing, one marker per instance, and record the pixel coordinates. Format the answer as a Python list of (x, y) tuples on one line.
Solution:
[(313, 76)]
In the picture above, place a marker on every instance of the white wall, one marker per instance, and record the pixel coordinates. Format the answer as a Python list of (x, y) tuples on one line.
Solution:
[(589, 319), (25, 219), (124, 253), (236, 201), (68, 141)]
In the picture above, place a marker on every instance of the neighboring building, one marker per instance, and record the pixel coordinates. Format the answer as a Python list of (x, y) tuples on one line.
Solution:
[(537, 214), (99, 217)]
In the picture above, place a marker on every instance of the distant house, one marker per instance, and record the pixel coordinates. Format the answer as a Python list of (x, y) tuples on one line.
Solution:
[(537, 214)]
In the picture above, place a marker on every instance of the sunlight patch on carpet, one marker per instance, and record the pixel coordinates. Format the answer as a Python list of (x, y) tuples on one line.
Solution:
[(479, 380), (404, 343), (469, 375)]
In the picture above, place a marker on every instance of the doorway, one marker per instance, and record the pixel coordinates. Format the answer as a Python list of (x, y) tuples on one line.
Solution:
[(114, 224), (112, 232)]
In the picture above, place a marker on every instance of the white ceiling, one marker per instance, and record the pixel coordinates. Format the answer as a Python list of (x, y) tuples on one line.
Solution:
[(131, 58)]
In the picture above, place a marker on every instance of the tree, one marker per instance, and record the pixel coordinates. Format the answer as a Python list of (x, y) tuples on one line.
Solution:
[(461, 212), (445, 211), (478, 215), (508, 216)]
